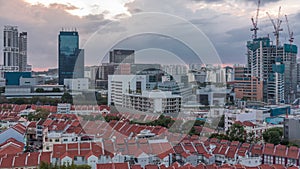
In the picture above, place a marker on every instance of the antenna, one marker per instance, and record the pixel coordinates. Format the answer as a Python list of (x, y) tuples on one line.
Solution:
[(254, 23)]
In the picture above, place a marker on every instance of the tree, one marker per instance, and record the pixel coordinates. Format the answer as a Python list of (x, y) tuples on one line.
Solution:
[(56, 90), (44, 165), (39, 90), (40, 114), (222, 122), (273, 135), (236, 133), (67, 98), (219, 136), (251, 138)]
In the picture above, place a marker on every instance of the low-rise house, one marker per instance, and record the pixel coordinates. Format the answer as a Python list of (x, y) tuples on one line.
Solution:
[(25, 160), (17, 132), (268, 154)]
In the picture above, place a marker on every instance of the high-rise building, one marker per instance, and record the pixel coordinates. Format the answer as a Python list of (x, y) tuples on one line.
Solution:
[(275, 66), (70, 57), (15, 48), (121, 56), (11, 46), (22, 61)]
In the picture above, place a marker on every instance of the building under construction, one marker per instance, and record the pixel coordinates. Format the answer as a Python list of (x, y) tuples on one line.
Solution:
[(274, 64)]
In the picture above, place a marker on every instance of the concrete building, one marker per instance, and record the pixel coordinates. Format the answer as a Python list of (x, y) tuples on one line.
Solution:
[(131, 91), (22, 61), (10, 46), (121, 84), (246, 87), (291, 129), (13, 78), (15, 48), (155, 101), (175, 69), (212, 95), (121, 56), (77, 84), (275, 66)]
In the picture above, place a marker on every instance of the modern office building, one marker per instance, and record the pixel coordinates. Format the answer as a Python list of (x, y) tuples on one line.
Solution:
[(70, 57), (10, 46), (121, 56)]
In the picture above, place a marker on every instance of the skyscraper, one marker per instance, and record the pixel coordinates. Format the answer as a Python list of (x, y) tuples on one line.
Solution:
[(275, 66), (70, 57), (22, 61), (15, 48), (11, 46)]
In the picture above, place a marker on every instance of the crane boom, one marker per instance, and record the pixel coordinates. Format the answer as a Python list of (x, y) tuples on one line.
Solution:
[(291, 34), (276, 26), (255, 22)]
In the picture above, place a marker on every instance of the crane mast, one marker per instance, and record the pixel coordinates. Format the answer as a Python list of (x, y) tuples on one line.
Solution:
[(291, 34), (276, 26), (255, 22)]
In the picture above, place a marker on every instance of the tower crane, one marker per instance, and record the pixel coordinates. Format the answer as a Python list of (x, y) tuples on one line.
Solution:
[(255, 22), (276, 26), (291, 34)]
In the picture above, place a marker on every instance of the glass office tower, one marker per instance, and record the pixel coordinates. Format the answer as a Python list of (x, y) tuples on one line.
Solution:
[(70, 57)]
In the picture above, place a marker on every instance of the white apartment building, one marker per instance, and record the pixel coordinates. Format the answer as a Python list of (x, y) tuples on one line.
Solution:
[(155, 101), (130, 91), (256, 116), (121, 84)]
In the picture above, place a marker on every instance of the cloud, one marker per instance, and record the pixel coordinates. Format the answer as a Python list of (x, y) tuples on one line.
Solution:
[(63, 6), (225, 22), (43, 25)]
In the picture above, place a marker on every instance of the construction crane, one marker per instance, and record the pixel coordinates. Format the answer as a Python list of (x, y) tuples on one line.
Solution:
[(254, 22), (276, 26), (291, 34)]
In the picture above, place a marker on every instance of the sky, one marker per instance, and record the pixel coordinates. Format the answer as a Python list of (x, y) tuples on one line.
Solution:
[(223, 24)]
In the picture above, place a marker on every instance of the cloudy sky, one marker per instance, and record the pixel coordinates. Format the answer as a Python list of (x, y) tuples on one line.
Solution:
[(226, 24)]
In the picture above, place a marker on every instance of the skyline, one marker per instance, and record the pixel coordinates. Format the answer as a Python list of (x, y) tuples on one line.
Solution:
[(225, 22)]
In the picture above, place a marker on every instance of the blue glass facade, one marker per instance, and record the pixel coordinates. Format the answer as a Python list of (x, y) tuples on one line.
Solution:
[(70, 57)]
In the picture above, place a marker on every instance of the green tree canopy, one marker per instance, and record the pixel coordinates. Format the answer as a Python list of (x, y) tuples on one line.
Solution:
[(273, 135), (67, 98), (236, 133)]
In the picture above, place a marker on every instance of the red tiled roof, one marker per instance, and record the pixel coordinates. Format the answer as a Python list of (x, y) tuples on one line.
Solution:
[(136, 166), (20, 128), (32, 159), (278, 166), (20, 160), (248, 124), (280, 151), (265, 166), (293, 152), (113, 166), (200, 148), (257, 149), (151, 166), (32, 124), (268, 149)]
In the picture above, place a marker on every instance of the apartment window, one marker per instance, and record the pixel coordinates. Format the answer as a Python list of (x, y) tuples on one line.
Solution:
[(57, 140)]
